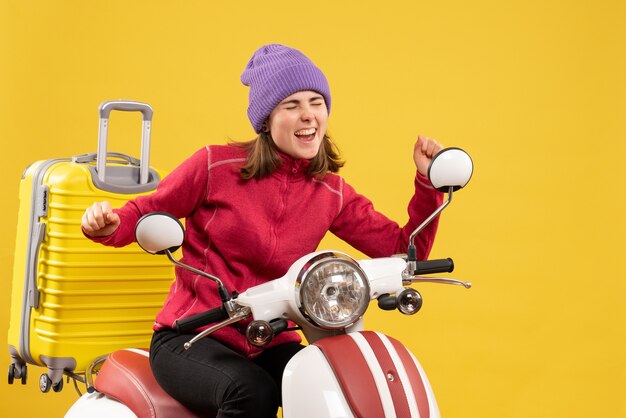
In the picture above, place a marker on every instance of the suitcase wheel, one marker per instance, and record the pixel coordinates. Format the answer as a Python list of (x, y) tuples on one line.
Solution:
[(20, 373), (45, 384), (11, 373), (24, 373), (58, 387)]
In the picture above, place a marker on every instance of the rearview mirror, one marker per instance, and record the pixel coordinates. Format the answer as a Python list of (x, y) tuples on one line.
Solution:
[(450, 167), (158, 232)]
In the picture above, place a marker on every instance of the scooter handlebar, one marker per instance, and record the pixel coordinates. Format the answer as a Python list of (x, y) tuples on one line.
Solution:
[(196, 321), (444, 265)]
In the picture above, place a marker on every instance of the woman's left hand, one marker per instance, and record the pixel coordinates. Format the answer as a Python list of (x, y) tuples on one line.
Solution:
[(423, 153)]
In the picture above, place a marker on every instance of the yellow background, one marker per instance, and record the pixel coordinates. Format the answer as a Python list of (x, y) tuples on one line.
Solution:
[(534, 90)]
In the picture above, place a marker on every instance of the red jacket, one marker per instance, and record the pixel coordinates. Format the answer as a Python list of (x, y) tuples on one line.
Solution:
[(248, 232)]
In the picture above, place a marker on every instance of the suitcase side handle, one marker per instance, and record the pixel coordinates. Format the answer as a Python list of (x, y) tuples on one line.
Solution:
[(31, 270), (103, 132)]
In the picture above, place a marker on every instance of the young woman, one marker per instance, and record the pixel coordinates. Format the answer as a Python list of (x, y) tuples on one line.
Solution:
[(251, 210)]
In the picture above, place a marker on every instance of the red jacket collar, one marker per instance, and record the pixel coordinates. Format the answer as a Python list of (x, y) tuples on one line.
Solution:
[(290, 165)]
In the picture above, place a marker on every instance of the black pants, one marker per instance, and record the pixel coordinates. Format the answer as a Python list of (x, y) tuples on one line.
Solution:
[(214, 380)]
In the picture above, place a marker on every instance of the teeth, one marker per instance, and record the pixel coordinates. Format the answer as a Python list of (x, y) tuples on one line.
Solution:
[(305, 132)]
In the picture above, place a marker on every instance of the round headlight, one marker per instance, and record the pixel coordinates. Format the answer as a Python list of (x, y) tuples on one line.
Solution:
[(332, 291)]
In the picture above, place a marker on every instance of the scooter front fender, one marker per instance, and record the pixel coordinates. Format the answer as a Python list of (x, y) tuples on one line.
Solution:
[(362, 374)]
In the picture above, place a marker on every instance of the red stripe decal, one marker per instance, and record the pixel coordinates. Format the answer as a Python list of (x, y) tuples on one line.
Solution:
[(353, 374), (415, 378), (400, 402)]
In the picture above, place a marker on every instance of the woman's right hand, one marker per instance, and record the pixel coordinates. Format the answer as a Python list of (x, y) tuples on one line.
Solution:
[(99, 220)]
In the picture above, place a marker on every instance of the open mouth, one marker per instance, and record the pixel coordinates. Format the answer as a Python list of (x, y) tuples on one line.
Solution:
[(306, 135)]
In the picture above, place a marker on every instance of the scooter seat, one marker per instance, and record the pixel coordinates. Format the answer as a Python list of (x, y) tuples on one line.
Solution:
[(126, 376)]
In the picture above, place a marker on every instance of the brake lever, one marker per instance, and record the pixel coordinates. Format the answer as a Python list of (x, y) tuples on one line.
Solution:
[(407, 280), (243, 313)]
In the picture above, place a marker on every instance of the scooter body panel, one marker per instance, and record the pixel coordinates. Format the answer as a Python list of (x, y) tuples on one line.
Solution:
[(98, 405)]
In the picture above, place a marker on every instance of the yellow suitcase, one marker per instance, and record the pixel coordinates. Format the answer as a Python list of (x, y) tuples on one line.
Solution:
[(73, 300)]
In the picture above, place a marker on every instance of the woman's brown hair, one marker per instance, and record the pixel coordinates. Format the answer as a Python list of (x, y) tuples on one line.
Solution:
[(263, 158)]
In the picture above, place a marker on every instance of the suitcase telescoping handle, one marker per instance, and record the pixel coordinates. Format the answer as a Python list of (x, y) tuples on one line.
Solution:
[(103, 132)]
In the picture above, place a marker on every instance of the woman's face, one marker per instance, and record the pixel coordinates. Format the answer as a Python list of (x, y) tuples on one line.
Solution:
[(298, 124)]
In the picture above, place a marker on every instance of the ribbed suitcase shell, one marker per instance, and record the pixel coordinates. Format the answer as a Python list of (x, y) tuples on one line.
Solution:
[(89, 299), (92, 299)]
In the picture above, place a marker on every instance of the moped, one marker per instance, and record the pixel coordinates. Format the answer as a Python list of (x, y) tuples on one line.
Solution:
[(345, 371)]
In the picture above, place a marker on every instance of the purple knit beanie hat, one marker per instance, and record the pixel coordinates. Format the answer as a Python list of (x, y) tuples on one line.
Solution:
[(275, 72)]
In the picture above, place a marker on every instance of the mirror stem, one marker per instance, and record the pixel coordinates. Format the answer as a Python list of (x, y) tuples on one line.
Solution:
[(430, 218), (411, 253), (224, 294)]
